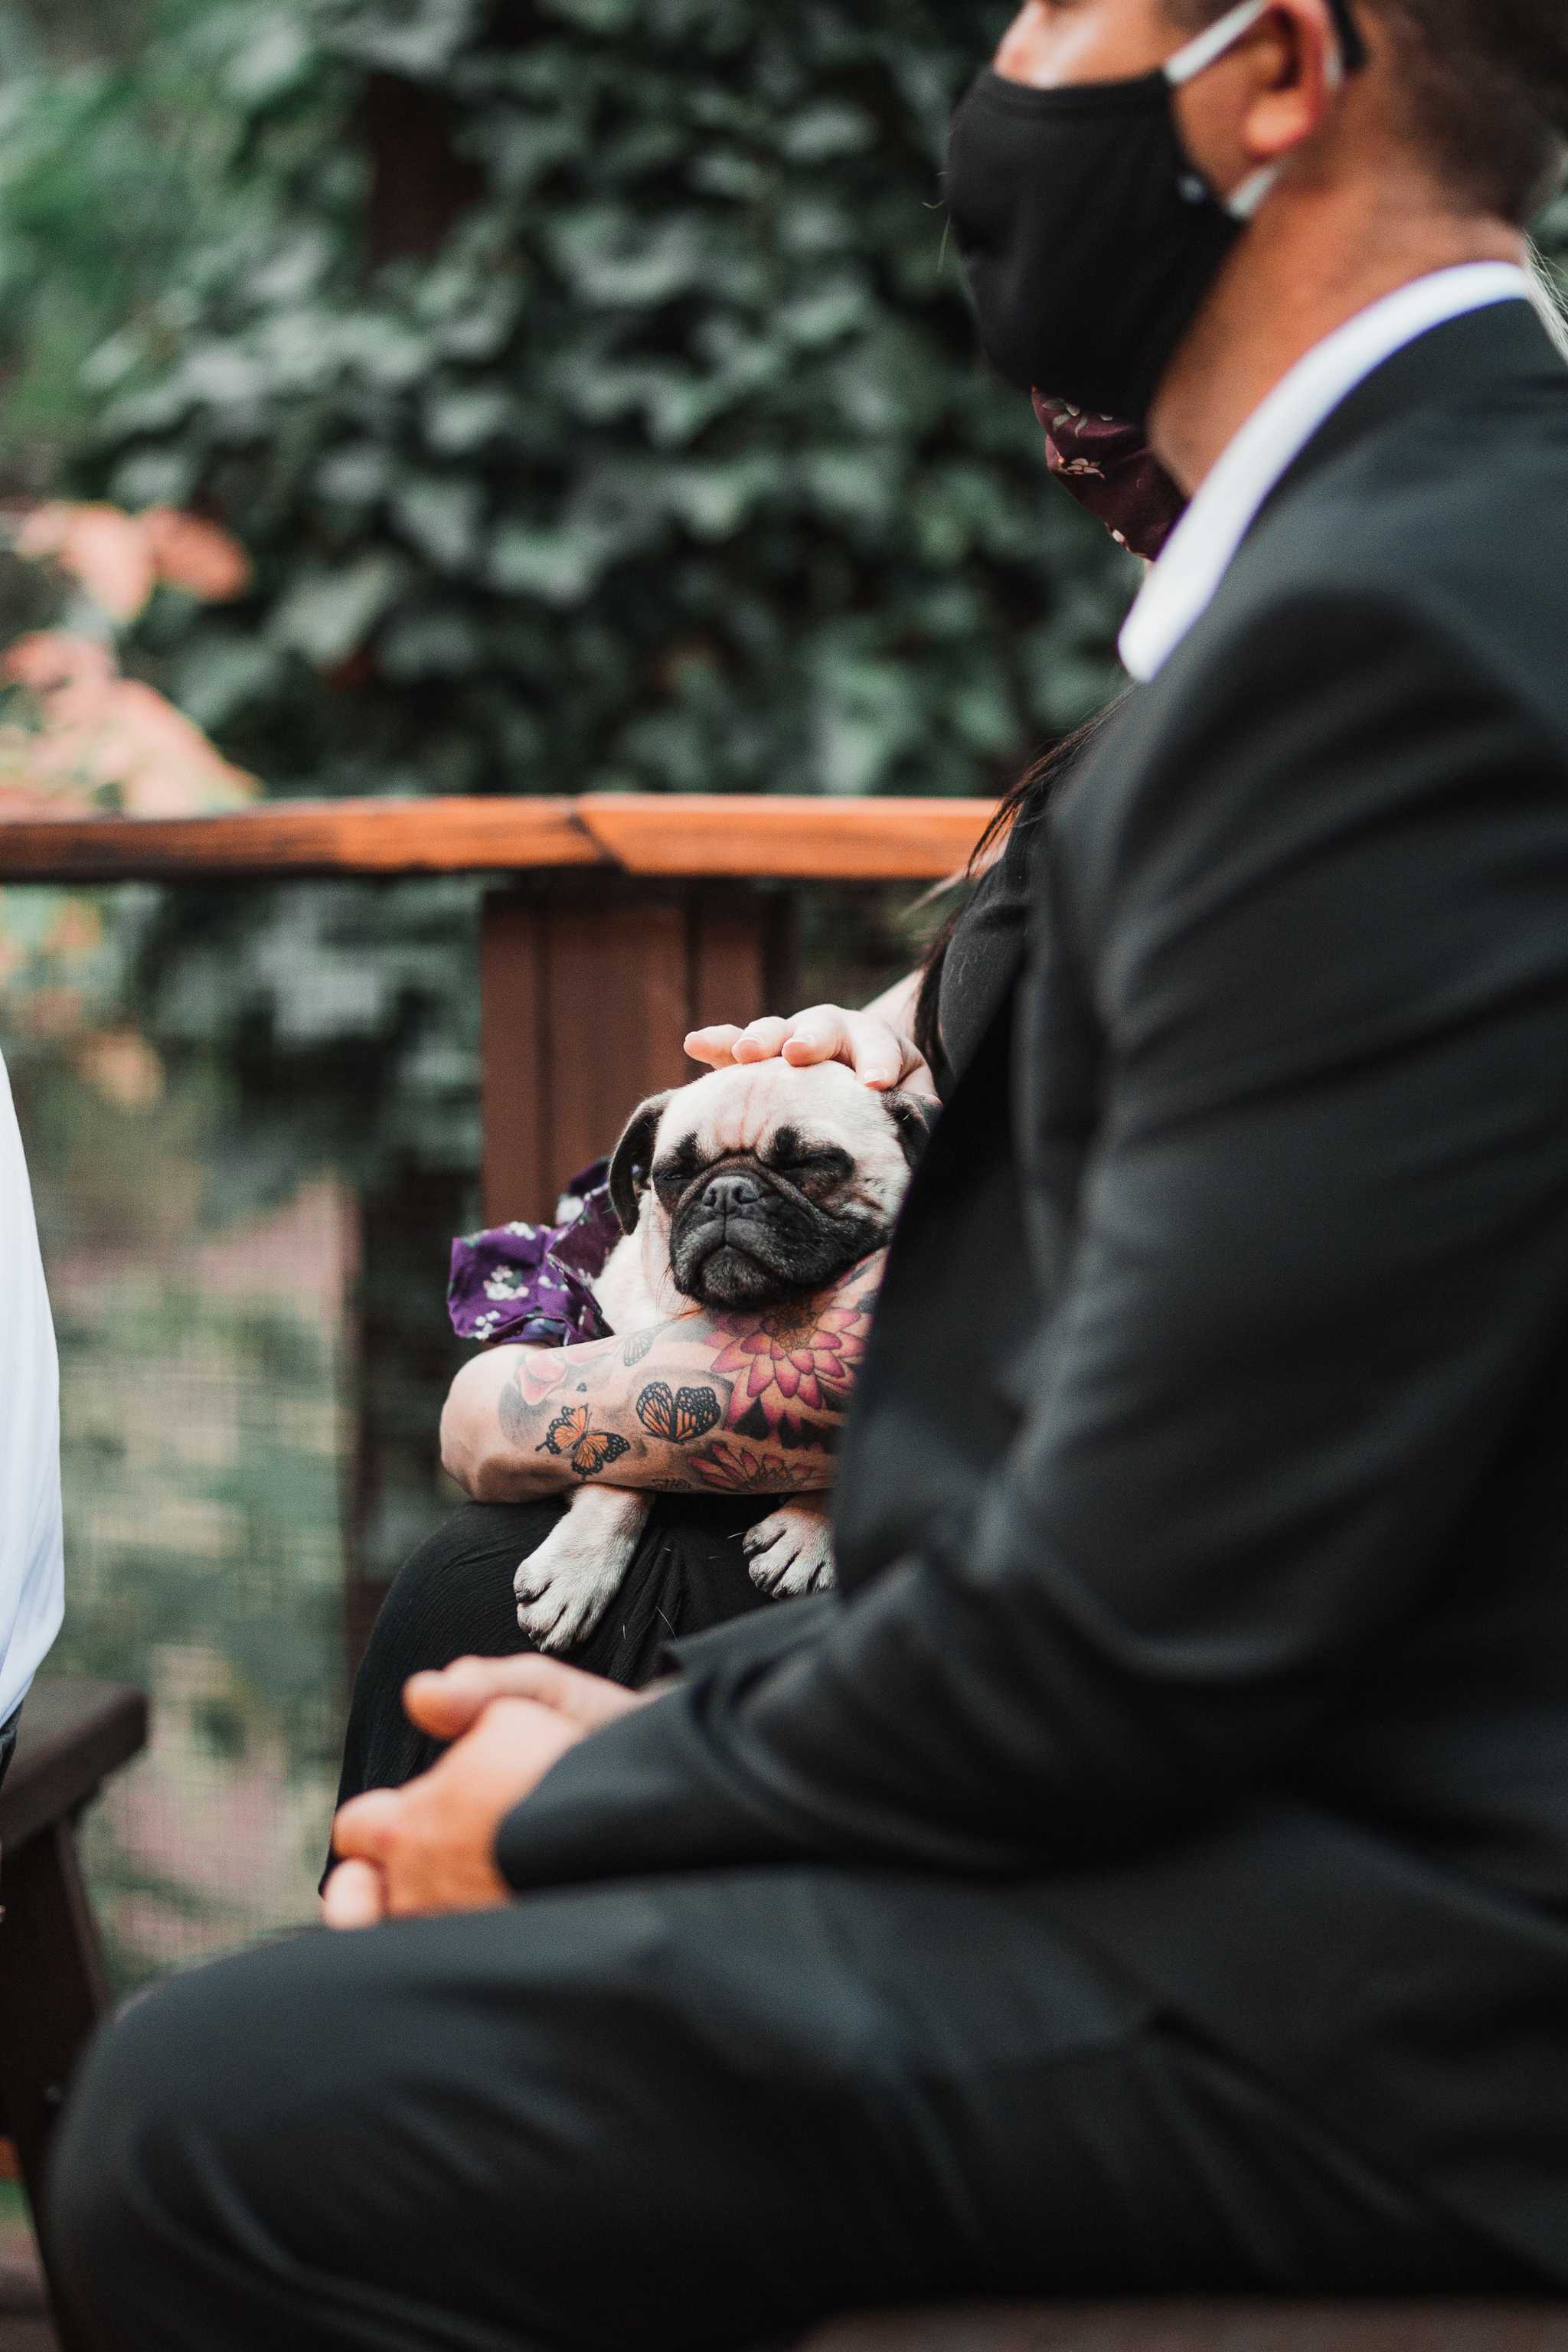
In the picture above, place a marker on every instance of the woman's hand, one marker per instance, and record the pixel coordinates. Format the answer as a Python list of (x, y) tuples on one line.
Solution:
[(867, 1043)]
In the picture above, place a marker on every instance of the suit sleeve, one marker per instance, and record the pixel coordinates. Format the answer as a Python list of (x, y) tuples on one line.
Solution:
[(1318, 1254)]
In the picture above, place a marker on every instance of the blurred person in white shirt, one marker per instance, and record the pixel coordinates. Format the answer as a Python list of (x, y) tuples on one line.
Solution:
[(32, 1554)]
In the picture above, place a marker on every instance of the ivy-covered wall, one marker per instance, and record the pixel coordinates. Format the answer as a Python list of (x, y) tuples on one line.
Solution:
[(662, 460), (123, 144)]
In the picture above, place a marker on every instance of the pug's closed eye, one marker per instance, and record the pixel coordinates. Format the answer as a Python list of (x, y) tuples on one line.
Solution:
[(800, 1161), (676, 1170)]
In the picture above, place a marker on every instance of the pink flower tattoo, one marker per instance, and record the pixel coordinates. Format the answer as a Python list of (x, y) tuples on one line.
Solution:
[(731, 1469), (796, 1358)]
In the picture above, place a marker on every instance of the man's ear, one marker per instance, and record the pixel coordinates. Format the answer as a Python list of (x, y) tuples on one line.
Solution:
[(913, 1117), (634, 1154)]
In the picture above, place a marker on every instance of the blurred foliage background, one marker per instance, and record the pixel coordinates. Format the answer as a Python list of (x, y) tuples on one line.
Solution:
[(595, 400), (590, 384)]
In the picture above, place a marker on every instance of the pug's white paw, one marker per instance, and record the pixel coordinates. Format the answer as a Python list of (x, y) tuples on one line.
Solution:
[(790, 1552), (565, 1588)]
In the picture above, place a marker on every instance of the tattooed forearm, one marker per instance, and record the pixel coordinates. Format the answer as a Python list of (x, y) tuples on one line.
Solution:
[(705, 1402)]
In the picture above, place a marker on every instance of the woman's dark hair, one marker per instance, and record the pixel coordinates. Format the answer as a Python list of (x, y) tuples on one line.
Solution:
[(1025, 805)]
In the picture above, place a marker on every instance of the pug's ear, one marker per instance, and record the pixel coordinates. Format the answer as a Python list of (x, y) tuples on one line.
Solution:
[(634, 1154), (913, 1117)]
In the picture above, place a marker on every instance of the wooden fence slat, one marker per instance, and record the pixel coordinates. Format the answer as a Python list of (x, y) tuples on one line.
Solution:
[(589, 988), (736, 952), (586, 1003), (520, 1175), (616, 1018)]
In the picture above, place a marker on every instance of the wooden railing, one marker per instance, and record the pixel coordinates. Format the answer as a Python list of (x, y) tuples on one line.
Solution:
[(690, 836), (613, 936)]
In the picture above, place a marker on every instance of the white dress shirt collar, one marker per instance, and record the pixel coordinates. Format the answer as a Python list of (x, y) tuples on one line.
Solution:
[(1184, 582)]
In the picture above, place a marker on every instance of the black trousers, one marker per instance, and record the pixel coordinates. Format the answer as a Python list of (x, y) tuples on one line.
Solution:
[(9, 1731), (680, 2113)]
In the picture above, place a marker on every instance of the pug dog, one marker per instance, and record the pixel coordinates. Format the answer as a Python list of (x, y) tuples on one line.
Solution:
[(749, 1188)]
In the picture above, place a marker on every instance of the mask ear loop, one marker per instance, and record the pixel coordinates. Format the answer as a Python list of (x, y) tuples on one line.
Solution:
[(1210, 46), (1350, 55), (1223, 35)]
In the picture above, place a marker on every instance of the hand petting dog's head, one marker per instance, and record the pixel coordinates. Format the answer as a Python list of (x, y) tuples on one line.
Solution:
[(764, 1182)]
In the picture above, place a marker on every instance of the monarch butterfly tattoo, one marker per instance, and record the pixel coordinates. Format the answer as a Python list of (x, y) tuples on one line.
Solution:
[(677, 1415), (591, 1450)]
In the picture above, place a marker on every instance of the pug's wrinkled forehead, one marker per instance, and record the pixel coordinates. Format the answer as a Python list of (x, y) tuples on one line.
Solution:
[(747, 1111), (818, 1129), (819, 1121)]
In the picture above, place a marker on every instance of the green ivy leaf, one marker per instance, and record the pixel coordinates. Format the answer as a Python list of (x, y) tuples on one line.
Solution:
[(327, 613)]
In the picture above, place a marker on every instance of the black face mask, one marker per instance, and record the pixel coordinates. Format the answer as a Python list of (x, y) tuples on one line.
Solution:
[(1090, 240)]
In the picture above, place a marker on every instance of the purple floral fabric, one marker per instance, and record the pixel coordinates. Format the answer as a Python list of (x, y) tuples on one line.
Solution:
[(530, 1284)]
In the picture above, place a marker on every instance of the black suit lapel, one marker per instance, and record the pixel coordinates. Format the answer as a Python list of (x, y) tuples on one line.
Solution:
[(1484, 350)]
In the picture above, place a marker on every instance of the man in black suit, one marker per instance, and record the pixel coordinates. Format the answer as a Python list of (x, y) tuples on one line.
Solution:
[(1152, 1871)]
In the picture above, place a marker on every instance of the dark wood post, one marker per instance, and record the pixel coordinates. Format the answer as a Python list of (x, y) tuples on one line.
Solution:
[(589, 983), (54, 1987)]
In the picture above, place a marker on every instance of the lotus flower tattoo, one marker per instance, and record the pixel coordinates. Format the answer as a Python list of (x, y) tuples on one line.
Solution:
[(733, 1469), (794, 1358)]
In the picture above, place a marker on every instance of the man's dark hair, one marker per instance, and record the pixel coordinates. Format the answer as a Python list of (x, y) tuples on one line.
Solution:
[(1486, 87)]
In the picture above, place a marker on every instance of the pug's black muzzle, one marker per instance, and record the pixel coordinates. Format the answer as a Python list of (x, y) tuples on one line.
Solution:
[(742, 1235)]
